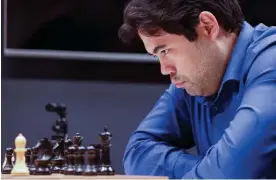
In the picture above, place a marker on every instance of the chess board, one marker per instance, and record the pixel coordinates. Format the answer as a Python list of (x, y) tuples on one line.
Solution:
[(63, 177), (61, 157)]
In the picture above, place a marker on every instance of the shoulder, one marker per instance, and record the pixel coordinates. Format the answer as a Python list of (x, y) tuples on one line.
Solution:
[(261, 54), (264, 66)]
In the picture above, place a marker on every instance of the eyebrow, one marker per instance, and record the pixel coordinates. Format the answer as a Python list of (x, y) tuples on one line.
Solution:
[(158, 48)]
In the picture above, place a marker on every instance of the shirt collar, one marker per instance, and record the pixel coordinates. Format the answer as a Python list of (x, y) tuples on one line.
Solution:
[(234, 68)]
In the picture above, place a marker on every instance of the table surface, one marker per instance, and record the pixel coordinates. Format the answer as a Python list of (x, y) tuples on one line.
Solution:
[(68, 177)]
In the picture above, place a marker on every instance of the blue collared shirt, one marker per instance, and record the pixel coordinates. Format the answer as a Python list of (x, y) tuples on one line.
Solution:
[(234, 131)]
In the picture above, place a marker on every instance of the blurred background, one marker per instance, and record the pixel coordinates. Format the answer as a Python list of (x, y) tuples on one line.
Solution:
[(114, 90)]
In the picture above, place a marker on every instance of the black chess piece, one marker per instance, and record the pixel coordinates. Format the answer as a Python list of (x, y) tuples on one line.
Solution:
[(91, 168), (79, 160), (98, 162), (44, 157), (34, 156), (28, 154), (60, 127), (77, 143), (70, 170), (106, 168), (67, 144), (58, 160), (8, 165), (77, 140)]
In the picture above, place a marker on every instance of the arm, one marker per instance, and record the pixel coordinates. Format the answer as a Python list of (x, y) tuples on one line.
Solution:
[(248, 145), (161, 138)]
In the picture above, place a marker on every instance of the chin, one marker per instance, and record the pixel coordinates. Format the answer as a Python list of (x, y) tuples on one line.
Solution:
[(192, 93)]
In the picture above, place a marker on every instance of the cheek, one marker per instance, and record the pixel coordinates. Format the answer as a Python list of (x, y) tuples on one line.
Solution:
[(185, 65), (185, 61), (177, 58)]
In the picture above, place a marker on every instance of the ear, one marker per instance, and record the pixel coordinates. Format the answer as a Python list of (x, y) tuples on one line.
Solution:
[(208, 25)]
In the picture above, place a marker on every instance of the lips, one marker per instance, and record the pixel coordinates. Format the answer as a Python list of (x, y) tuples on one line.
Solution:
[(179, 84)]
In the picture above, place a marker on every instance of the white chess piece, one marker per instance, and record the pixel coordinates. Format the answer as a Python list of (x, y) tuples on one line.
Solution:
[(20, 168)]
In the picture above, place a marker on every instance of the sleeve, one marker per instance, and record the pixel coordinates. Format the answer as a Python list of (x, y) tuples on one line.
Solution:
[(248, 146), (161, 139)]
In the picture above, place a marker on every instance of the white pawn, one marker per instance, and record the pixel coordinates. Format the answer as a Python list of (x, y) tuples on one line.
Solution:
[(20, 168)]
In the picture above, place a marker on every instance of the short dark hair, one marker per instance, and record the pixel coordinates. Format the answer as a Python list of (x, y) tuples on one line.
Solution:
[(177, 17)]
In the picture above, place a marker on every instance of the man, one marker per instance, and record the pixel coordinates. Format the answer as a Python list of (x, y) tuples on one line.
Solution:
[(223, 93)]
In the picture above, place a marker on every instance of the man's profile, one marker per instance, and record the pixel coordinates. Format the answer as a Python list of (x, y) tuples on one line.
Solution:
[(222, 97)]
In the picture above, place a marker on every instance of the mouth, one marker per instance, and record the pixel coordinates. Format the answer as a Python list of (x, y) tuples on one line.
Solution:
[(180, 84)]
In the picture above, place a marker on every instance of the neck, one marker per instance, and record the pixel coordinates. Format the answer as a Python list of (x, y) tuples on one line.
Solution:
[(229, 42), (226, 45)]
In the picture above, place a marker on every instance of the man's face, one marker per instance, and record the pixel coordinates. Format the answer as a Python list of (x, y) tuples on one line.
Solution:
[(195, 66)]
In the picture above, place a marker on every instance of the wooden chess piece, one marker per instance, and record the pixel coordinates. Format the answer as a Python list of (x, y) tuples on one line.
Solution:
[(60, 128), (58, 160), (106, 168), (67, 144), (44, 157), (8, 165), (98, 162), (28, 157), (77, 140), (79, 151), (80, 160), (34, 156), (70, 170), (20, 168), (91, 169)]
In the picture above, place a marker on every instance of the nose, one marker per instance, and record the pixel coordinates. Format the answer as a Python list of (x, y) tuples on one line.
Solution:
[(167, 68)]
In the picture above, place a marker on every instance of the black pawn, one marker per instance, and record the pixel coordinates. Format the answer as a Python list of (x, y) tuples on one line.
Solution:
[(80, 160), (68, 143), (28, 154), (8, 166), (98, 158), (77, 141), (58, 160), (70, 170), (106, 168), (34, 156), (43, 161), (91, 168)]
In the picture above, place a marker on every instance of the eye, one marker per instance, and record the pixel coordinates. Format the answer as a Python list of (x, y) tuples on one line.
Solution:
[(164, 52)]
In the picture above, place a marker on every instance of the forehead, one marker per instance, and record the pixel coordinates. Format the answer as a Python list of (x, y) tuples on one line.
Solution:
[(153, 40), (150, 42)]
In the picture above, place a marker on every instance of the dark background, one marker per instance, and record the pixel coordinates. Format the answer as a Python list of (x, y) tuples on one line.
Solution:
[(97, 93)]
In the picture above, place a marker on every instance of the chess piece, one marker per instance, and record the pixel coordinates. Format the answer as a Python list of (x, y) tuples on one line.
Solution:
[(67, 144), (28, 157), (77, 143), (91, 168), (44, 157), (106, 168), (80, 160), (98, 157), (58, 160), (60, 127), (77, 140), (20, 168), (8, 165), (34, 156), (70, 170)]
